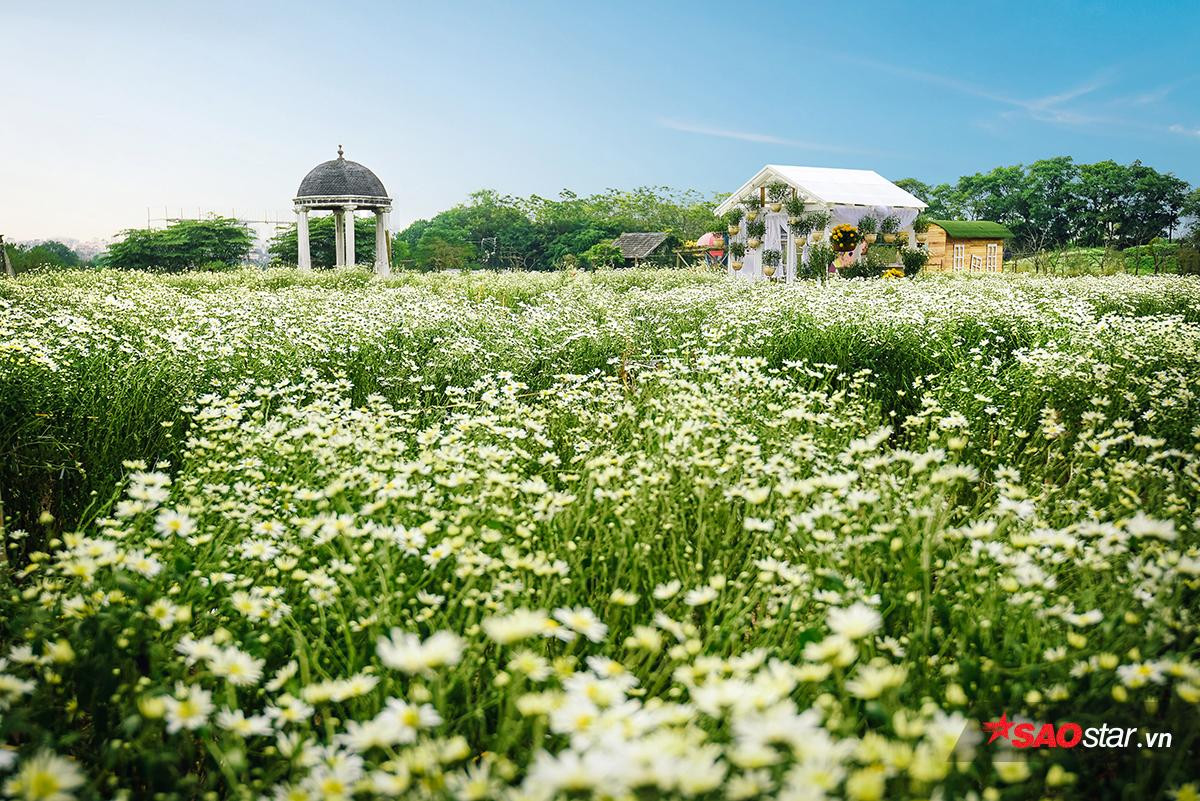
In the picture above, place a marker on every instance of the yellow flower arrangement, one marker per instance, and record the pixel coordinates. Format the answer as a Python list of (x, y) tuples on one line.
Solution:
[(894, 272), (844, 238)]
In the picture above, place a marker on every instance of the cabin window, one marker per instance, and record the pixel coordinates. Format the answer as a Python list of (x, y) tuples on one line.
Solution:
[(960, 257), (976, 263), (993, 257)]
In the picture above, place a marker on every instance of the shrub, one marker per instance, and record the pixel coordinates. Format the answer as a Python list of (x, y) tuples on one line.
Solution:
[(914, 259), (602, 255), (820, 256)]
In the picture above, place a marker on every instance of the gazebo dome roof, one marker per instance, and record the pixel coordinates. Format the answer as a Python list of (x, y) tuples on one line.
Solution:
[(341, 178)]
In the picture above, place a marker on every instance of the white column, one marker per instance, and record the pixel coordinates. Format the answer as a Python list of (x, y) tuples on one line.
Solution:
[(339, 246), (303, 256), (349, 236), (382, 267)]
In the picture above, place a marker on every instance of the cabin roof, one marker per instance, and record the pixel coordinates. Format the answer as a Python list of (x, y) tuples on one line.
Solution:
[(639, 245), (973, 229)]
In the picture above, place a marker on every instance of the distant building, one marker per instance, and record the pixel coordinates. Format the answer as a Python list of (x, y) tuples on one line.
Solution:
[(638, 249), (966, 246)]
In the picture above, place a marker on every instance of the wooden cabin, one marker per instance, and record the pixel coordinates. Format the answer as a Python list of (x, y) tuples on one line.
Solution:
[(640, 249), (966, 246)]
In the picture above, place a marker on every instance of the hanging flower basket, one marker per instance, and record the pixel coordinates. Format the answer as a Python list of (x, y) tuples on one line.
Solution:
[(768, 270), (844, 238), (816, 236), (921, 237), (869, 239), (733, 230), (793, 221), (736, 265), (776, 207), (752, 214), (753, 242), (889, 237)]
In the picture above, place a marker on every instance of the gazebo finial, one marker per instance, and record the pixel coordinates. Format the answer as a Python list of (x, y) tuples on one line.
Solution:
[(339, 151)]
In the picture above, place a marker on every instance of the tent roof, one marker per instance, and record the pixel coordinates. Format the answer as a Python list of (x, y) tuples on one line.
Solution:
[(973, 229), (638, 246), (830, 186)]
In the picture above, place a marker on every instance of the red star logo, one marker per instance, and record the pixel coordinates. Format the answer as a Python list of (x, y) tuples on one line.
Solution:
[(999, 728)]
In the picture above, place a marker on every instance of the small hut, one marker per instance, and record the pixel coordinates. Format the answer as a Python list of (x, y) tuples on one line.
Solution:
[(966, 246), (640, 248)]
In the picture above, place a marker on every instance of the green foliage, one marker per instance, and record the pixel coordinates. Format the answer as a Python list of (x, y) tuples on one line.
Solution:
[(756, 229), (1189, 260), (437, 252), (820, 220), (867, 224), (804, 224), (772, 257), (184, 245), (752, 203), (1055, 202), (602, 255), (734, 216), (889, 225), (48, 255), (777, 191), (737, 249), (914, 260), (794, 206), (537, 233), (321, 242), (820, 256), (921, 224), (870, 265), (1155, 257)]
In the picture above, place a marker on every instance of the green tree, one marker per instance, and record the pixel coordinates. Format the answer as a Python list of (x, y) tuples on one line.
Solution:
[(1052, 202), (939, 199), (538, 232), (1128, 205), (437, 252), (185, 245), (48, 255), (322, 235), (602, 255)]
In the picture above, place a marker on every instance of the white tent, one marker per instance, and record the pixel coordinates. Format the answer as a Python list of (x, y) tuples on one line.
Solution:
[(847, 195)]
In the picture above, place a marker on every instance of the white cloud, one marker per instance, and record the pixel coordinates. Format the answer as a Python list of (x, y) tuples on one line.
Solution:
[(753, 136), (1048, 108), (1180, 129)]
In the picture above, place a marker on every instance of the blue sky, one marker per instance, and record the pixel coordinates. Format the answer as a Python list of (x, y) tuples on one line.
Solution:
[(112, 107)]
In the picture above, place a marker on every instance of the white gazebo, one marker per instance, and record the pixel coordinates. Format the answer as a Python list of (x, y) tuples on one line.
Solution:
[(343, 187), (846, 195)]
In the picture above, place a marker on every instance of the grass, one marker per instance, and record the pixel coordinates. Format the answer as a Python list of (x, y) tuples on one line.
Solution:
[(636, 533)]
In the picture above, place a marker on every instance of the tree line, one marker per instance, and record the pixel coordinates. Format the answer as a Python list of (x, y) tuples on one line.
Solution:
[(1056, 202), (540, 233), (1049, 204)]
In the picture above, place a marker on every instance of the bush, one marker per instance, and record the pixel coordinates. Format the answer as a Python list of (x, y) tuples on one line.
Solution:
[(602, 255), (914, 259), (185, 245)]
